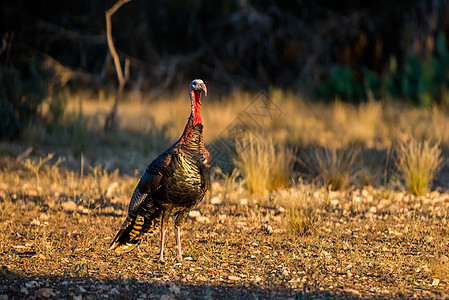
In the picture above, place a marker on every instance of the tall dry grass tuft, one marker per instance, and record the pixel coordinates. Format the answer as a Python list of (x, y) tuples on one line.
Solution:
[(334, 168), (357, 124), (302, 221), (418, 163), (265, 166), (302, 209)]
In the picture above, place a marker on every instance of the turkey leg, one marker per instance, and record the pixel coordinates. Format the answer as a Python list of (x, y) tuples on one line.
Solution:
[(163, 231), (178, 242)]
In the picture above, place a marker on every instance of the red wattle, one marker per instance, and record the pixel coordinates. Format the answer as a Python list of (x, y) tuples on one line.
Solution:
[(196, 108)]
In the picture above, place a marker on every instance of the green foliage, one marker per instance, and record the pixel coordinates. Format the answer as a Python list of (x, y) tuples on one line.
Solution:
[(341, 83), (21, 93), (419, 81), (423, 82)]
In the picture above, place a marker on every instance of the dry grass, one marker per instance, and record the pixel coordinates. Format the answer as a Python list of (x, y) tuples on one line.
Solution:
[(333, 168), (302, 210), (264, 165), (418, 163), (300, 242), (360, 123), (286, 239), (372, 124)]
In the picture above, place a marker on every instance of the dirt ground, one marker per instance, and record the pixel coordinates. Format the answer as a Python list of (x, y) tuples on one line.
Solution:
[(360, 244)]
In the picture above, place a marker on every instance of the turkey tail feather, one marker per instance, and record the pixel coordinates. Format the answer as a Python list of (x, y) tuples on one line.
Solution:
[(131, 232)]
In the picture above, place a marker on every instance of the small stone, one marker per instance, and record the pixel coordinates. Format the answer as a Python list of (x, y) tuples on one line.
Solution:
[(82, 290), (194, 214), (114, 291), (69, 205), (334, 202), (43, 293), (31, 284), (35, 222), (428, 239), (77, 297), (174, 289), (435, 282), (267, 228), (215, 200), (244, 201), (435, 194), (285, 273), (222, 217), (373, 209), (356, 198), (104, 288), (202, 219), (232, 277), (24, 291), (253, 297), (351, 291)]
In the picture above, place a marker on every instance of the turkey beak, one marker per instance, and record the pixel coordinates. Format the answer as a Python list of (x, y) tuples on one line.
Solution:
[(203, 86)]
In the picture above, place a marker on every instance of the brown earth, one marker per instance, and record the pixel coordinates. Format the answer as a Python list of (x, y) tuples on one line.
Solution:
[(360, 244)]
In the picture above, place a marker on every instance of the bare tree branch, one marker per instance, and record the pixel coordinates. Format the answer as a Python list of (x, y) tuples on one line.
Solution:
[(111, 120)]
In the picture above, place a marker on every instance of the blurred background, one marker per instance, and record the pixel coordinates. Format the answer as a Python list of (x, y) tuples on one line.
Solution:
[(324, 49)]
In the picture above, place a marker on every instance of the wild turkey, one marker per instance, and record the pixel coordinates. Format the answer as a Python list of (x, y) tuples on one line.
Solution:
[(173, 183)]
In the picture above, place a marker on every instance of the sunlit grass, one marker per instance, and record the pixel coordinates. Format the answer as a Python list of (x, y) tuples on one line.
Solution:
[(334, 168), (418, 163), (264, 165), (373, 124), (361, 234)]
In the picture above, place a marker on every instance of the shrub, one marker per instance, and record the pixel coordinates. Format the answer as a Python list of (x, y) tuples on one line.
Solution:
[(418, 163), (341, 83), (21, 93), (420, 81)]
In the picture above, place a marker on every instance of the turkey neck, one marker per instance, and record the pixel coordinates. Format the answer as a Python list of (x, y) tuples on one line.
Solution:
[(192, 137), (195, 103)]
